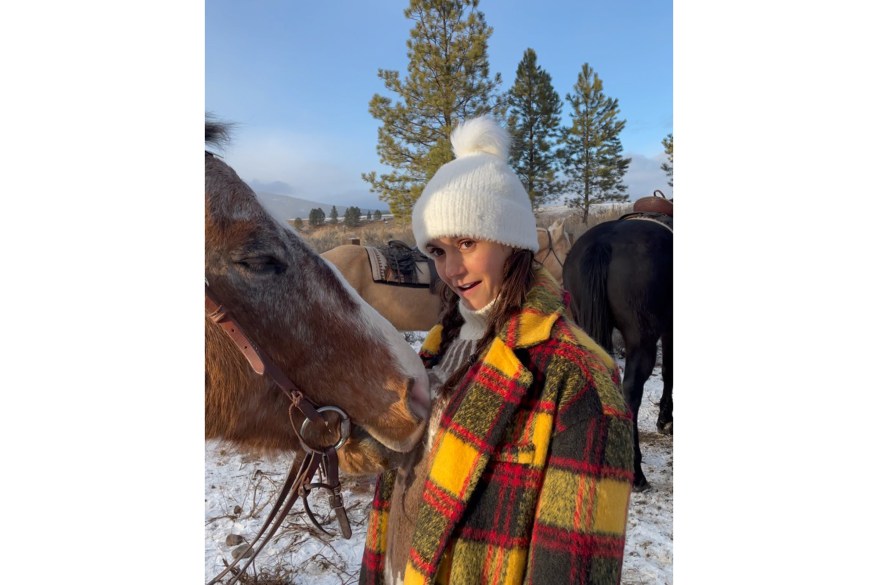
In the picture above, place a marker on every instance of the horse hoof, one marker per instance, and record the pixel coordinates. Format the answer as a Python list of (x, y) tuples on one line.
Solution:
[(665, 428), (641, 487)]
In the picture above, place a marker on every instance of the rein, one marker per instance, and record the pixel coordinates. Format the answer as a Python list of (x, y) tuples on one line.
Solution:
[(320, 458)]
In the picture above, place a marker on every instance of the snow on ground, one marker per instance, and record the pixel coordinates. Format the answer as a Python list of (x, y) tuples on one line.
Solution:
[(549, 213), (239, 491)]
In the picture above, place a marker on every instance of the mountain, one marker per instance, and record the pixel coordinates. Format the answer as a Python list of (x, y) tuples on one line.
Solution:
[(284, 207)]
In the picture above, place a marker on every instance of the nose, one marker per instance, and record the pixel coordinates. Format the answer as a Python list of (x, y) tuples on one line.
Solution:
[(419, 397), (453, 265)]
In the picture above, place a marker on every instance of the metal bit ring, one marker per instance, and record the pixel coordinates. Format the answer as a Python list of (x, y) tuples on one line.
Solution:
[(344, 427)]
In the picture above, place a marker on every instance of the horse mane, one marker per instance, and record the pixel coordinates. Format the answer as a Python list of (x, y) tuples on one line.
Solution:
[(216, 133)]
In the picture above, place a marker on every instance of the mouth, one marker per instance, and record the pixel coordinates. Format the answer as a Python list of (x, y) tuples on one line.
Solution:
[(463, 289), (398, 446)]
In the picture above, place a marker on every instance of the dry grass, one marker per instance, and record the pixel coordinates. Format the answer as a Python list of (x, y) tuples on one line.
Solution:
[(284, 575), (573, 221), (378, 233), (375, 233), (277, 567)]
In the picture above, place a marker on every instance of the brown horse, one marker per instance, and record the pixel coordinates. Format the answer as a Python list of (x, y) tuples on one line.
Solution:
[(307, 320), (416, 308)]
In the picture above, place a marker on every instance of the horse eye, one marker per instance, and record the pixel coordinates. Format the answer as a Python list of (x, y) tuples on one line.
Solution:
[(262, 264)]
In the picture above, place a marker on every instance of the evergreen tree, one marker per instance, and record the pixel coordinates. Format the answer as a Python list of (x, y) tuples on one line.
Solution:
[(333, 216), (298, 223), (668, 167), (377, 215), (448, 81), (316, 217), (592, 152), (352, 216), (533, 121)]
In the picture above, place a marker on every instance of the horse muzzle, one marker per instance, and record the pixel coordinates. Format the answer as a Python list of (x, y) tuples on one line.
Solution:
[(418, 396)]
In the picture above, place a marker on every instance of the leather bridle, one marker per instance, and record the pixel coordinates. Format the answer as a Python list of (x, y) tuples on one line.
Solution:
[(320, 458), (551, 250)]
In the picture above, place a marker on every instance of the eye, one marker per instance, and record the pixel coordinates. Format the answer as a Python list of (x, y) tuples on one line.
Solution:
[(435, 252), (466, 244), (262, 264)]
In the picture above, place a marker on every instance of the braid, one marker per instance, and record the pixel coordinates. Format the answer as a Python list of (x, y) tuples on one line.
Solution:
[(451, 319)]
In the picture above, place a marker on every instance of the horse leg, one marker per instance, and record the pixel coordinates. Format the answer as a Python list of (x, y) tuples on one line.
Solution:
[(639, 362), (665, 422)]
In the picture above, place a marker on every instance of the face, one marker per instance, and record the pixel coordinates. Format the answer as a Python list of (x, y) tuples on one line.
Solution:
[(472, 268)]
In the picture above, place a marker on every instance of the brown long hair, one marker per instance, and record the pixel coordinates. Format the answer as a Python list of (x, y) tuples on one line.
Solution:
[(518, 277)]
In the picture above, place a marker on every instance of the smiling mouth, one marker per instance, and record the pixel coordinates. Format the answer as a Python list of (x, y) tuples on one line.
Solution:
[(466, 287)]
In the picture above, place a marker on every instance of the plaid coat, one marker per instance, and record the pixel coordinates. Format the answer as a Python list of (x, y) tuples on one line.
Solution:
[(531, 469)]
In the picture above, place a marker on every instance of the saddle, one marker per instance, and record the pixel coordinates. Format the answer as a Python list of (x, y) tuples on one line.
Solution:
[(399, 265), (656, 208)]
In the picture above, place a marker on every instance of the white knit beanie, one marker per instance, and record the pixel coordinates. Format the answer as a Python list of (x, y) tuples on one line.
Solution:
[(476, 195)]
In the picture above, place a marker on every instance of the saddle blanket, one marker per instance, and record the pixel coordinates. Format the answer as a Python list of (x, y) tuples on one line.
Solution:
[(409, 272)]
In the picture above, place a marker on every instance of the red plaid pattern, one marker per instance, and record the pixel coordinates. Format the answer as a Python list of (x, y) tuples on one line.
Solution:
[(531, 469)]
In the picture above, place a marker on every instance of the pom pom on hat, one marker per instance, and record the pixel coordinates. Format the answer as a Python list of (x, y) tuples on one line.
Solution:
[(480, 135), (476, 195)]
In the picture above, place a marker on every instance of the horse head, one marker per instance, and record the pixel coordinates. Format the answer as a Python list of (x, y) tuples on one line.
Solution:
[(554, 245), (307, 320)]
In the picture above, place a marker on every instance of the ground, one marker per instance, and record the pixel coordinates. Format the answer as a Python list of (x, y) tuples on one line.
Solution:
[(239, 492)]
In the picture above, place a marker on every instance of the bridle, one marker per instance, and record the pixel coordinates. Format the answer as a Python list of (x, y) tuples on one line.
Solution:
[(322, 458), (551, 250)]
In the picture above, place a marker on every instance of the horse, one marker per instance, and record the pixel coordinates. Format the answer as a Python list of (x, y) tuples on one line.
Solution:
[(620, 275), (309, 322), (417, 308)]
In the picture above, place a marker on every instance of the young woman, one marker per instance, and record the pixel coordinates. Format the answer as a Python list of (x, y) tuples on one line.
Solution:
[(525, 472)]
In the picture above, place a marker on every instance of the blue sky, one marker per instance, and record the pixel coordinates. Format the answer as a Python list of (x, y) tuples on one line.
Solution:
[(297, 78)]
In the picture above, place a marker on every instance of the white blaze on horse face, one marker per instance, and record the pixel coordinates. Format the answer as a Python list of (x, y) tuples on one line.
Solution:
[(406, 358)]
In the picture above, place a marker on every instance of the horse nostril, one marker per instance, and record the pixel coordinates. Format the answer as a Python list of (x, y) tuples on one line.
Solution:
[(419, 397)]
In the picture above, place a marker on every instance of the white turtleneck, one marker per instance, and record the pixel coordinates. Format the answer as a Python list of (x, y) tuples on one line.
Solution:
[(475, 323)]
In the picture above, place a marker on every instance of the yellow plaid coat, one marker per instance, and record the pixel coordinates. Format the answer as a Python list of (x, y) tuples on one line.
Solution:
[(531, 469)]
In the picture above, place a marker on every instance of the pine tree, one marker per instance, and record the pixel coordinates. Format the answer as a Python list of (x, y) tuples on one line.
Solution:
[(592, 152), (317, 217), (668, 167), (448, 81), (352, 216), (298, 223), (333, 216), (377, 215), (533, 121)]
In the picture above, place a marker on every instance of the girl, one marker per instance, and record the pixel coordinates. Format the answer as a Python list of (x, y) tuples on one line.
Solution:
[(525, 472)]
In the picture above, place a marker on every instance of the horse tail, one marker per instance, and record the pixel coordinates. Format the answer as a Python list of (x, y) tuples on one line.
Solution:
[(594, 307)]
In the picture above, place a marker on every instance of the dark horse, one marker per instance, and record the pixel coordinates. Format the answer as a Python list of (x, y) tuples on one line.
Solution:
[(309, 322), (620, 274)]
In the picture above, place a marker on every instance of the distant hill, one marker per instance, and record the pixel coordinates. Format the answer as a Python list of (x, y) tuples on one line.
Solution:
[(284, 207)]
